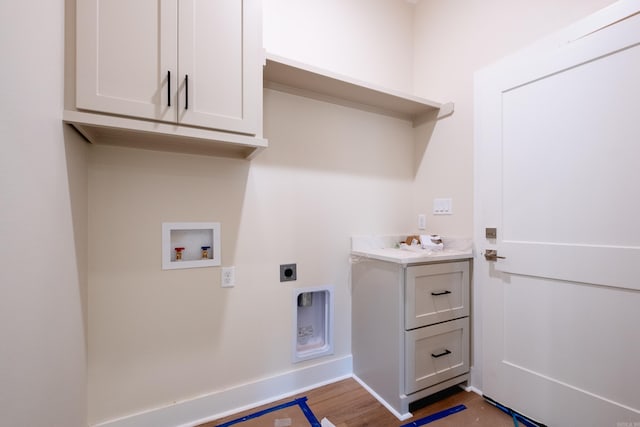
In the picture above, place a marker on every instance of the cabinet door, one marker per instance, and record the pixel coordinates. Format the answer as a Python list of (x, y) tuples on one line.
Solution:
[(436, 293), (437, 353), (125, 51), (220, 70)]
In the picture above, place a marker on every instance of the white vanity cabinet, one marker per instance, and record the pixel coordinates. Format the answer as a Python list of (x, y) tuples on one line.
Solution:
[(169, 67), (410, 328)]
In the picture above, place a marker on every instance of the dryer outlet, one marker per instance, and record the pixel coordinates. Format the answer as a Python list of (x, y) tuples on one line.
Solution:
[(288, 272)]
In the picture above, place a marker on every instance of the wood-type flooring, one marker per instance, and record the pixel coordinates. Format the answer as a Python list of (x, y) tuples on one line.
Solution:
[(346, 404)]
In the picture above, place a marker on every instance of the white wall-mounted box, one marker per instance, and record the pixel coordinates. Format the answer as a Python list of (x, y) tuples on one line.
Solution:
[(313, 323), (200, 240)]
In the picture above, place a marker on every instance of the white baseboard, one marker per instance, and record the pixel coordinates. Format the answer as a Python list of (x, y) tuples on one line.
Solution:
[(384, 403), (473, 389), (217, 405)]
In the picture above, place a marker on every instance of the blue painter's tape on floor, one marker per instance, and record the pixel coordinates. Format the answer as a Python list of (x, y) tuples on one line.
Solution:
[(435, 417), (313, 421), (517, 418), (301, 401)]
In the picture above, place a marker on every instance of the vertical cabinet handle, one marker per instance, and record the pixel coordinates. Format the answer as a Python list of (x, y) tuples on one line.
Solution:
[(168, 88), (186, 91)]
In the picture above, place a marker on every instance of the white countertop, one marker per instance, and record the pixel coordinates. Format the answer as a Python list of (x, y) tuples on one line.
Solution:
[(381, 248), (401, 256)]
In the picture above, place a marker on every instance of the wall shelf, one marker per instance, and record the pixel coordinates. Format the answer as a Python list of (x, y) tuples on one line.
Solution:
[(302, 79)]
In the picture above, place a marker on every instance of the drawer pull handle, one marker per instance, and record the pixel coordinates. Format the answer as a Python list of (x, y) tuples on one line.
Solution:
[(440, 293), (444, 353)]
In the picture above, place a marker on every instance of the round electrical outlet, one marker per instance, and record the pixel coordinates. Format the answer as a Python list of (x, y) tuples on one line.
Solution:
[(287, 272)]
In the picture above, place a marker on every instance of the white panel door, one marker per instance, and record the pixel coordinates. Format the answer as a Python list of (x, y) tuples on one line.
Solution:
[(220, 70), (557, 145), (126, 51)]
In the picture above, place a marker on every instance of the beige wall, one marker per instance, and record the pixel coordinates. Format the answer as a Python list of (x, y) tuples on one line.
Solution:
[(160, 336), (453, 39), (42, 227), (156, 336), (371, 40)]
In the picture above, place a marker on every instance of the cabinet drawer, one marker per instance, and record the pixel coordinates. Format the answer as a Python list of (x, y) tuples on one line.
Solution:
[(436, 293), (436, 353)]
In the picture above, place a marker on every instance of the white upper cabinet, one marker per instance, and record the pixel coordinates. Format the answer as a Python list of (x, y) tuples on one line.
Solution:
[(195, 62), (216, 74), (125, 51), (192, 63)]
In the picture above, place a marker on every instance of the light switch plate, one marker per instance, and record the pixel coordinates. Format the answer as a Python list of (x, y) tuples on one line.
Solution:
[(442, 206)]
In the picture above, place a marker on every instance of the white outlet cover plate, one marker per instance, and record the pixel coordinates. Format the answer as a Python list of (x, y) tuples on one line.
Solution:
[(422, 221), (228, 277)]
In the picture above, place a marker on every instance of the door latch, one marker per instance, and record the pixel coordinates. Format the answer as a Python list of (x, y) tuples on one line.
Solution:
[(492, 255), (491, 233)]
